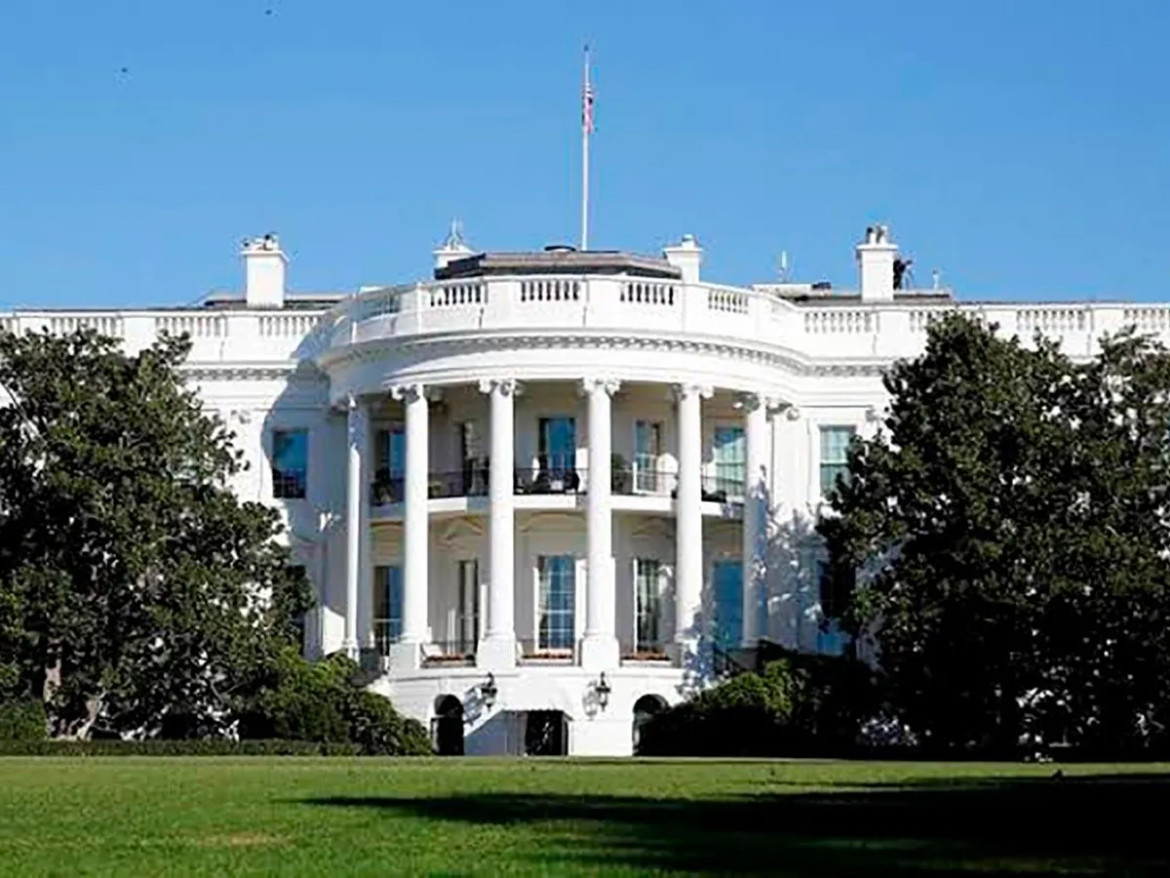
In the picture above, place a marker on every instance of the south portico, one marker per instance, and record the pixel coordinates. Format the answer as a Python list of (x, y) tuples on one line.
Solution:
[(681, 495)]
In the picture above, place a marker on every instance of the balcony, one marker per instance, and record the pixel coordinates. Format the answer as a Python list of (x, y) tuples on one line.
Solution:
[(471, 481), (550, 480)]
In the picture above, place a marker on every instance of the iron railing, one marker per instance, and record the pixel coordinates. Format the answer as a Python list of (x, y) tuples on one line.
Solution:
[(550, 480)]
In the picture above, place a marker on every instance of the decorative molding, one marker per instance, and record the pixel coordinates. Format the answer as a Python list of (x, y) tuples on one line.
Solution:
[(427, 345), (609, 386), (680, 392), (505, 386), (793, 413)]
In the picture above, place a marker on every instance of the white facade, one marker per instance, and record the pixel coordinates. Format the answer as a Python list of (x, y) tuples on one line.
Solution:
[(545, 485)]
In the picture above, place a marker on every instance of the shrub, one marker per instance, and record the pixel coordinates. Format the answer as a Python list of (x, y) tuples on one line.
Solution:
[(326, 702), (23, 721), (798, 705)]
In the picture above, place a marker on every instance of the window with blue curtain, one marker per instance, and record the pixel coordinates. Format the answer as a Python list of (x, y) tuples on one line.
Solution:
[(557, 575), (290, 464), (834, 456), (558, 444), (727, 585)]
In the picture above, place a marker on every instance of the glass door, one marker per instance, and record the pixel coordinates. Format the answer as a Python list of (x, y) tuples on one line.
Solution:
[(647, 448), (648, 601), (467, 616), (730, 460), (557, 574), (387, 606)]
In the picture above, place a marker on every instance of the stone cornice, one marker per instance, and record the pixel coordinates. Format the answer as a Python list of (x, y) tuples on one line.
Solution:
[(444, 343), (207, 371)]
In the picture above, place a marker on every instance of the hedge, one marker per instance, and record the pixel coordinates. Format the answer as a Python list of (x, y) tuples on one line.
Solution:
[(22, 721), (207, 747)]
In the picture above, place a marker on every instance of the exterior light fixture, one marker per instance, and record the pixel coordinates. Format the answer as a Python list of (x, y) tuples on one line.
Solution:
[(488, 691), (602, 689)]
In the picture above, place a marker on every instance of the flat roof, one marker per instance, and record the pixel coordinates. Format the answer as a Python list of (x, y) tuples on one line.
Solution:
[(559, 261)]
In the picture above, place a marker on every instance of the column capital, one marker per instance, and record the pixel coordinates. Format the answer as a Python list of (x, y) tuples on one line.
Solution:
[(749, 402), (503, 386), (609, 385), (682, 391), (792, 413), (413, 391)]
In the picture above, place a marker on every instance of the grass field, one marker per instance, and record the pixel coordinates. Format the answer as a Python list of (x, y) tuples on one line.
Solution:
[(155, 816)]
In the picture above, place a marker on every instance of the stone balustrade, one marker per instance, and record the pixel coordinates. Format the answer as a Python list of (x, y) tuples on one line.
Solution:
[(840, 328)]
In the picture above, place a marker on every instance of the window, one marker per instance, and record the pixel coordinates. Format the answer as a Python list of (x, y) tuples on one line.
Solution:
[(834, 456), (387, 606), (557, 593), (835, 589), (648, 604), (647, 448), (467, 617), (730, 459), (558, 445), (390, 465), (391, 451), (727, 579), (290, 464)]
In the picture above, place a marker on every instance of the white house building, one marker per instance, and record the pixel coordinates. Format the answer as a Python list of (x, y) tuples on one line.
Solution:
[(539, 494)]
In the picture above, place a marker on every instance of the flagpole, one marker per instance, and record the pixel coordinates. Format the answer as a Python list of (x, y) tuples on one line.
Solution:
[(586, 127)]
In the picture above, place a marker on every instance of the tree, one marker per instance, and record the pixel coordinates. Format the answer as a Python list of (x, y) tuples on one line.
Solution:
[(1009, 524), (136, 591)]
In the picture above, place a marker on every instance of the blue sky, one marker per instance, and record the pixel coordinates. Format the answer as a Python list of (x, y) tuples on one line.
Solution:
[(1021, 147)]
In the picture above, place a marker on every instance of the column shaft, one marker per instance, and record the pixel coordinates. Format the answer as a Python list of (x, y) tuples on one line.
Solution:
[(416, 561), (755, 516), (689, 524), (356, 453), (499, 646), (599, 648)]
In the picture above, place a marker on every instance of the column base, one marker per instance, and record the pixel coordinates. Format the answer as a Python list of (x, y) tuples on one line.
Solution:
[(600, 652), (405, 656), (496, 653)]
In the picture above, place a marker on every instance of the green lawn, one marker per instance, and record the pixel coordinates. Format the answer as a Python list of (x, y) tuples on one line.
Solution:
[(153, 816)]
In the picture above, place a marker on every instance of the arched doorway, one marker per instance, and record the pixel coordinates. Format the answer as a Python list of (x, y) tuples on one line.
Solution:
[(646, 708), (448, 732)]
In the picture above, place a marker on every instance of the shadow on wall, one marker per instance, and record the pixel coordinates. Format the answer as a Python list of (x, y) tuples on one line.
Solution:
[(1040, 826), (314, 523)]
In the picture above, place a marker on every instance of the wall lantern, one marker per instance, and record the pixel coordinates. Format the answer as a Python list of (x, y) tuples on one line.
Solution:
[(602, 689), (488, 691)]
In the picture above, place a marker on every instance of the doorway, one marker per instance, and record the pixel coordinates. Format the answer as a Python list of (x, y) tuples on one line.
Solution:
[(546, 733), (448, 728)]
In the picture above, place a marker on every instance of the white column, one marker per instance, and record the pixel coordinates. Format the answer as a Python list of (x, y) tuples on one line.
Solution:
[(755, 514), (498, 649), (415, 529), (356, 438), (688, 574), (599, 647), (365, 626)]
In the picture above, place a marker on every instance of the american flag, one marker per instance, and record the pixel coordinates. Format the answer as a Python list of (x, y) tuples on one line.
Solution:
[(587, 108)]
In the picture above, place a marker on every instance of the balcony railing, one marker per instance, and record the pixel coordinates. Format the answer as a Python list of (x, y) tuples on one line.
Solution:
[(550, 480), (471, 481)]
